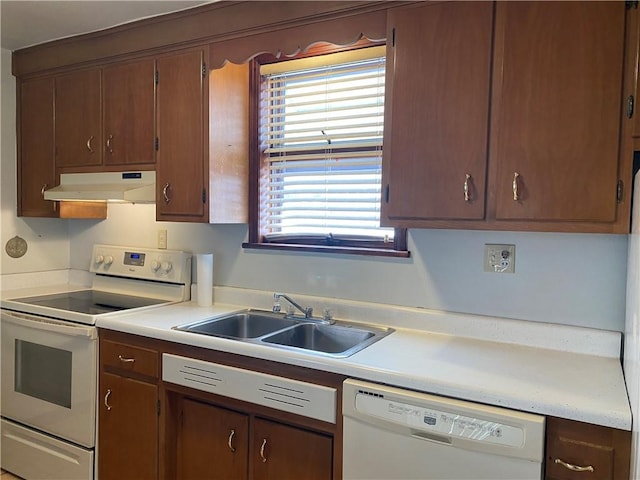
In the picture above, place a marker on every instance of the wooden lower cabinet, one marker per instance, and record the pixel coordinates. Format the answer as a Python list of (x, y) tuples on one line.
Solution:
[(286, 452), (128, 417), (213, 442), (128, 429), (218, 443), (576, 450)]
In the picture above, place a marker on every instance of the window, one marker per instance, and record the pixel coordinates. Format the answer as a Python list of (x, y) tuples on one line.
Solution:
[(320, 121)]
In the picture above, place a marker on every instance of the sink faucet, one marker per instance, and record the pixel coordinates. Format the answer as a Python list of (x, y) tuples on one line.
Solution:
[(308, 312)]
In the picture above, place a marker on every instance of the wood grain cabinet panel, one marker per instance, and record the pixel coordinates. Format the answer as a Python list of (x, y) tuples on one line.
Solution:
[(129, 113), (507, 116), (437, 111), (287, 452), (36, 170), (556, 110), (128, 428), (213, 442), (78, 122), (576, 450), (180, 174)]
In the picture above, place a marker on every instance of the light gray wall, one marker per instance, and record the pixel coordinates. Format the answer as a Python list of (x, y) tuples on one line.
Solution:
[(47, 239), (574, 279)]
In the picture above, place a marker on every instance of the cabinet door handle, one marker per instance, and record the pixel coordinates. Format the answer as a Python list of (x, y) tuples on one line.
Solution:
[(106, 399), (125, 359), (574, 468), (514, 187), (165, 192), (42, 190), (467, 197), (109, 143), (262, 447), (89, 144), (230, 441)]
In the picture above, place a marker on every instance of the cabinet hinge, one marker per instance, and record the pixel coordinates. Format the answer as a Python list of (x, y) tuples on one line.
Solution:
[(204, 70), (158, 406), (204, 195), (631, 4), (157, 77), (157, 144), (620, 191), (386, 194), (630, 106), (393, 37)]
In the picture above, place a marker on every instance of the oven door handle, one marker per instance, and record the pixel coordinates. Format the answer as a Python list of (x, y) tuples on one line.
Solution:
[(50, 325)]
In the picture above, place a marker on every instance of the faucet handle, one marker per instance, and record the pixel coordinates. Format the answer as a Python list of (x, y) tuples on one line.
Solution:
[(327, 315), (276, 303)]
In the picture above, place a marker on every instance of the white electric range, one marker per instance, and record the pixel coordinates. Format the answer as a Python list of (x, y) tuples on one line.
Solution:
[(49, 357)]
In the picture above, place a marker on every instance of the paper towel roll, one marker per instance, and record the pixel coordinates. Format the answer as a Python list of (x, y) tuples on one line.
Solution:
[(204, 266)]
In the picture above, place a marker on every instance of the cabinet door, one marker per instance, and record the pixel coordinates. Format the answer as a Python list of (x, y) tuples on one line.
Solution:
[(437, 111), (289, 453), (128, 429), (129, 113), (213, 443), (180, 122), (36, 171), (78, 131), (556, 110)]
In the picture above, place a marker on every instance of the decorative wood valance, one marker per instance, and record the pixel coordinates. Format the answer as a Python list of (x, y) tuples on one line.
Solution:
[(241, 29), (288, 42)]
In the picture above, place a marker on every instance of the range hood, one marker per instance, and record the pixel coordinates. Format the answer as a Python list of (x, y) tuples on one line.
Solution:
[(134, 187)]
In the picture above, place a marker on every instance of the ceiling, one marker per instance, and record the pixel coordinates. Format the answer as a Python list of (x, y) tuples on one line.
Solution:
[(25, 23)]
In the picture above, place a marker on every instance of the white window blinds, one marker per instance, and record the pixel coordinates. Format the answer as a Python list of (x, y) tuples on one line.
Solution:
[(321, 134)]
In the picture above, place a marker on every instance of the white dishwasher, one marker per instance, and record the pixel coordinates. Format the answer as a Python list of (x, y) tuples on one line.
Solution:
[(397, 434)]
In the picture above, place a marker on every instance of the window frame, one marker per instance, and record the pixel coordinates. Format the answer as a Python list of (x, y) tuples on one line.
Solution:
[(303, 243)]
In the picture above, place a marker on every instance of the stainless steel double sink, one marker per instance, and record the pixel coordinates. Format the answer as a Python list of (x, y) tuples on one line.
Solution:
[(339, 339)]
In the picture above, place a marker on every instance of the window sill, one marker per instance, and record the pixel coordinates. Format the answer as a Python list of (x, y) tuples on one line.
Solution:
[(372, 252)]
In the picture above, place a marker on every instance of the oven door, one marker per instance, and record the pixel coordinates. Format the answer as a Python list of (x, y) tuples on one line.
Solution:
[(49, 375)]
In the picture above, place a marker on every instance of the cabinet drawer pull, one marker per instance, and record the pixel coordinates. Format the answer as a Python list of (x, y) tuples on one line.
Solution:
[(467, 177), (514, 187), (106, 399), (262, 447), (42, 190), (109, 143), (165, 193), (89, 144), (574, 468), (230, 441), (125, 359)]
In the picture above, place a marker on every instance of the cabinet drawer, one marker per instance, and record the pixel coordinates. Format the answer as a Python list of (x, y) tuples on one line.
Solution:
[(129, 358), (601, 453), (579, 454)]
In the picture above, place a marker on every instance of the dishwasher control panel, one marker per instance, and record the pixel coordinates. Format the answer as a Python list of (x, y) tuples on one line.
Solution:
[(438, 421)]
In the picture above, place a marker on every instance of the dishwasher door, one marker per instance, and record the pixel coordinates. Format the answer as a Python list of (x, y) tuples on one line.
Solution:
[(397, 434)]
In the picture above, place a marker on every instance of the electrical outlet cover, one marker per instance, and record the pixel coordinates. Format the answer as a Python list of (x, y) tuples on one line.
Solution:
[(499, 258)]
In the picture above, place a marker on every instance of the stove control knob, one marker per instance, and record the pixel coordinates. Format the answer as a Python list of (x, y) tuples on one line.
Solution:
[(155, 265), (99, 259), (166, 266), (108, 260)]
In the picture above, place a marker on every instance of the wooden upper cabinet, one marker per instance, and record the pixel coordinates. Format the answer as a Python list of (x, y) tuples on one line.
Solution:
[(180, 168), (556, 110), (129, 113), (437, 111), (78, 122), (36, 171)]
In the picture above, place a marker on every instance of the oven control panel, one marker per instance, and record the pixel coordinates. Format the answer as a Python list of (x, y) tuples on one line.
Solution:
[(172, 266)]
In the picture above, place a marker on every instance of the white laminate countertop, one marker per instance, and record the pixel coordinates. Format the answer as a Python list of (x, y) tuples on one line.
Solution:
[(583, 387), (557, 370)]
